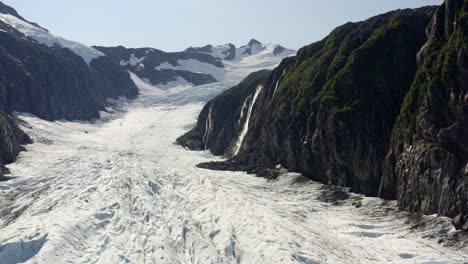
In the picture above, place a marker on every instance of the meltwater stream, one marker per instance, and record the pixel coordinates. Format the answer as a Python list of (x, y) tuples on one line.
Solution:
[(121, 191)]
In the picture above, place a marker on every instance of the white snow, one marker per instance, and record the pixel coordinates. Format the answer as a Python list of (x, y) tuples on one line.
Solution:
[(122, 192), (245, 127), (219, 51), (235, 70), (264, 49), (195, 66), (133, 61), (43, 37), (144, 86)]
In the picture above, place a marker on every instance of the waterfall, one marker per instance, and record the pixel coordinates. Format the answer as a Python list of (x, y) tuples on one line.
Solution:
[(207, 127), (277, 82), (245, 128), (276, 87), (242, 110)]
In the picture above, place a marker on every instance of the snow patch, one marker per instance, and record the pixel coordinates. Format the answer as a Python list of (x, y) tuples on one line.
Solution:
[(133, 61), (144, 86), (195, 66)]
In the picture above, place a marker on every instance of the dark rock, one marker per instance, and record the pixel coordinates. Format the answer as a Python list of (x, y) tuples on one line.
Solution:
[(250, 45), (427, 167), (230, 53), (4, 9), (204, 49), (11, 138), (278, 50)]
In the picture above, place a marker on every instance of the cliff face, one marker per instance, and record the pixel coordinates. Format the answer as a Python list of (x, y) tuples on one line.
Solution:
[(333, 110), (329, 112), (54, 82), (11, 138), (222, 117), (379, 106), (427, 167)]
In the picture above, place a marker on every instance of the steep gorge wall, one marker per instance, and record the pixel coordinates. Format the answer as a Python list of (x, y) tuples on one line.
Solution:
[(54, 82), (329, 112), (427, 167), (378, 106)]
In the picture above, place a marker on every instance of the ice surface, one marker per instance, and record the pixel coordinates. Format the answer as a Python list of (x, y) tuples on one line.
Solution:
[(43, 37), (122, 192)]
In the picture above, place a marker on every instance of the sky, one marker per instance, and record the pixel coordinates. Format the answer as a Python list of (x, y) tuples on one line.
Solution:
[(174, 25)]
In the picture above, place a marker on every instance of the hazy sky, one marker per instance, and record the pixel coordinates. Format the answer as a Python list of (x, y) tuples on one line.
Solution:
[(174, 25)]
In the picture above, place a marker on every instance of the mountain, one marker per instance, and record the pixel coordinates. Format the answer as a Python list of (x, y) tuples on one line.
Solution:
[(229, 52), (379, 106), (196, 65), (50, 77)]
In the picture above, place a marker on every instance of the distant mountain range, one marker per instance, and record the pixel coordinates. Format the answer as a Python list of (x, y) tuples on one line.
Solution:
[(194, 66)]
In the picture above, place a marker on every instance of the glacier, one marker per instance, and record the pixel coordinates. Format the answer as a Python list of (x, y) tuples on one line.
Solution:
[(118, 190)]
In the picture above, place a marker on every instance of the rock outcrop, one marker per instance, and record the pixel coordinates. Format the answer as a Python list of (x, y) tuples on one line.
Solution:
[(222, 117), (379, 106), (145, 63), (426, 169), (11, 138)]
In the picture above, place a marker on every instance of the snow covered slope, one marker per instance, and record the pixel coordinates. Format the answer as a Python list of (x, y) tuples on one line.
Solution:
[(42, 36), (52, 77), (229, 51), (122, 192)]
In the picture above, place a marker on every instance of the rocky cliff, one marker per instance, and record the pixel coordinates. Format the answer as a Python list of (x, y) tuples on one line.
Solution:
[(222, 117), (50, 81), (426, 169), (11, 138), (378, 106)]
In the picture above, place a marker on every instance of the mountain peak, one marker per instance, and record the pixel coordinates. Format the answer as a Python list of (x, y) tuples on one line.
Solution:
[(4, 9), (254, 42), (8, 10)]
